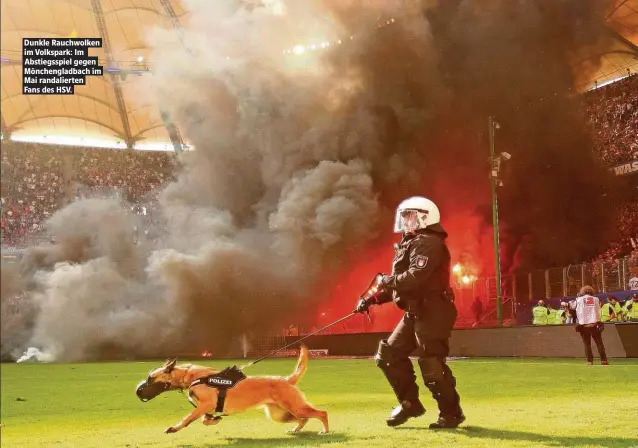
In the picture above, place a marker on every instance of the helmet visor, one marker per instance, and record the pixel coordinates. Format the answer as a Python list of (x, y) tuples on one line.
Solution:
[(408, 221)]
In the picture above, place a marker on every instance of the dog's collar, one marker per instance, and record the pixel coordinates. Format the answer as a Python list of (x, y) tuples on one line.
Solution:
[(181, 386)]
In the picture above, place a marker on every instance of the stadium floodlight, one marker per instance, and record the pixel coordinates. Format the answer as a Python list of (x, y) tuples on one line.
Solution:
[(506, 155)]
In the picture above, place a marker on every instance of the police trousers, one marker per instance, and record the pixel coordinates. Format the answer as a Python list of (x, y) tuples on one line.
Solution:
[(414, 334)]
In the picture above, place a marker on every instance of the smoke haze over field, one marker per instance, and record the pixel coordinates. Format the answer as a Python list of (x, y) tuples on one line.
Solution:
[(301, 159)]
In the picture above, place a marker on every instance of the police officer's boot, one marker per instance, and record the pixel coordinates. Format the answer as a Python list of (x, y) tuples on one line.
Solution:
[(454, 416), (405, 410), (400, 374), (448, 422), (442, 384), (450, 415)]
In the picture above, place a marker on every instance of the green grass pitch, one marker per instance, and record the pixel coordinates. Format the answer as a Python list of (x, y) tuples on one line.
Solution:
[(508, 403)]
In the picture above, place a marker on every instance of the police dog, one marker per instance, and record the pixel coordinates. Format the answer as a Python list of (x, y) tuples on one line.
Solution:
[(282, 400)]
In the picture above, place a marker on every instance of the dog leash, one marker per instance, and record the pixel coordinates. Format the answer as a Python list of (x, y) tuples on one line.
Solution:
[(299, 340), (371, 289)]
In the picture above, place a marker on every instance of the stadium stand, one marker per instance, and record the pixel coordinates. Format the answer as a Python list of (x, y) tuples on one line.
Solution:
[(38, 179), (613, 117)]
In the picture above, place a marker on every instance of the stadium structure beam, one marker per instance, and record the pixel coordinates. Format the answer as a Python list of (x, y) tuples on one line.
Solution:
[(149, 128), (616, 8), (633, 47), (38, 32), (115, 80), (79, 95), (6, 132), (164, 124), (135, 8), (173, 132), (11, 63), (166, 4), (90, 120)]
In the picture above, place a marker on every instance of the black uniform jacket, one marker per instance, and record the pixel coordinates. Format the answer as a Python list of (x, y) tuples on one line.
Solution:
[(420, 280)]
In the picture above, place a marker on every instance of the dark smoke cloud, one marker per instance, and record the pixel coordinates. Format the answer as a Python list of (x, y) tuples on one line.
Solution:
[(517, 62), (89, 292), (300, 161)]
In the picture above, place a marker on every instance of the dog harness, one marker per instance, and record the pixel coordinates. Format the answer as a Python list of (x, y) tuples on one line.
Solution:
[(222, 381)]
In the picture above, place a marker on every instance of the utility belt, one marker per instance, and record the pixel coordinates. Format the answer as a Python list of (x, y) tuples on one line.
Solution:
[(413, 305)]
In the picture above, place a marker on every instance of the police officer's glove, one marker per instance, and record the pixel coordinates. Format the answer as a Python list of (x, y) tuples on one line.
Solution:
[(385, 281), (363, 306)]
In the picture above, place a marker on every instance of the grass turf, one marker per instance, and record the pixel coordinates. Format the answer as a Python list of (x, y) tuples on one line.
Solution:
[(508, 403)]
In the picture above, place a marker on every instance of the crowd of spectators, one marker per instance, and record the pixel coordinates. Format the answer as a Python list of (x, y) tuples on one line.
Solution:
[(613, 118), (132, 173), (32, 189), (627, 223), (37, 180)]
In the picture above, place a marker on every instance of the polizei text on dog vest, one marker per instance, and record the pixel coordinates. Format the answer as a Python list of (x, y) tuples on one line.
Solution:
[(214, 381)]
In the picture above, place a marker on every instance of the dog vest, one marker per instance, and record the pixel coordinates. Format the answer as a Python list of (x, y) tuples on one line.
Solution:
[(222, 381)]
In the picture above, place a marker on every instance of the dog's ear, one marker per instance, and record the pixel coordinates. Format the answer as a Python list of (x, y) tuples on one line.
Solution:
[(170, 365)]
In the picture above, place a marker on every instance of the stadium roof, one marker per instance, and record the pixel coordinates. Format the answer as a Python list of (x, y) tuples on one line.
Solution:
[(110, 108), (622, 52)]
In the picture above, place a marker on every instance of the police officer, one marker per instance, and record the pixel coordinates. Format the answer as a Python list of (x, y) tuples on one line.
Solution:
[(420, 286)]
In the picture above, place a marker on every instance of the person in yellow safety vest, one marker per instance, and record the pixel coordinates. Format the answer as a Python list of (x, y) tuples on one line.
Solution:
[(562, 316), (540, 313), (618, 309), (631, 309), (552, 316), (607, 311)]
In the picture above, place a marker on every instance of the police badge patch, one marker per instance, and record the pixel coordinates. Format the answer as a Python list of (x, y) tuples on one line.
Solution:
[(421, 261)]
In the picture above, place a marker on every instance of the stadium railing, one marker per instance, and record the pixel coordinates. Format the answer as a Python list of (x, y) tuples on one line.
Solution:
[(521, 291)]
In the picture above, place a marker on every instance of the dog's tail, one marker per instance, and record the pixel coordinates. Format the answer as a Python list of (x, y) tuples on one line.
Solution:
[(302, 366)]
